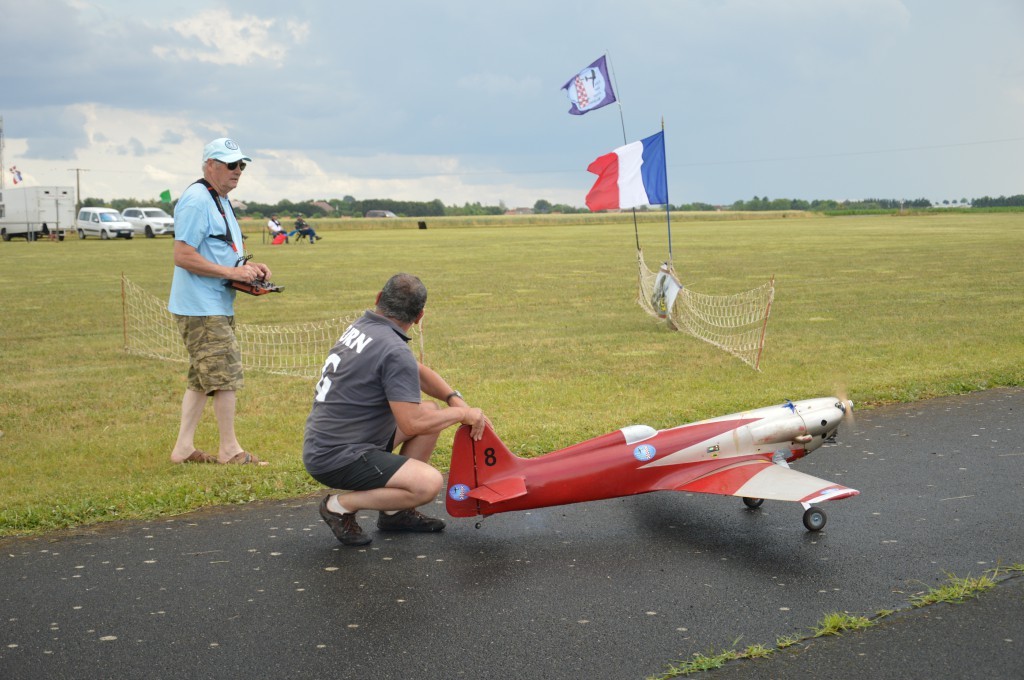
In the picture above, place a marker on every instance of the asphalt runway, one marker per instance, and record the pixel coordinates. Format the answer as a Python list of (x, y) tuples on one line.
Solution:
[(614, 589)]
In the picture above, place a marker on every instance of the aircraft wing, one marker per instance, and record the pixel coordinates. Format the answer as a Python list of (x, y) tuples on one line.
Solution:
[(763, 479)]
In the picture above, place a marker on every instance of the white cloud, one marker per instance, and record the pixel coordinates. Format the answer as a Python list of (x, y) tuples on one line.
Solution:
[(232, 40)]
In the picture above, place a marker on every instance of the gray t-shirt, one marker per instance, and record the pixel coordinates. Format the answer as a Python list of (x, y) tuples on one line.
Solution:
[(370, 365)]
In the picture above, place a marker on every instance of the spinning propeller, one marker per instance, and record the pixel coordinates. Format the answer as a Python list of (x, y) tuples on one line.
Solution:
[(844, 399)]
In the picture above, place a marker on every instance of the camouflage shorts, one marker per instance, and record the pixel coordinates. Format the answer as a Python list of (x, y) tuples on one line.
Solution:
[(215, 359)]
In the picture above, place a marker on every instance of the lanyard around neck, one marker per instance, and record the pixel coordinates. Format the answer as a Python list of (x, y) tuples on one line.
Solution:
[(227, 236)]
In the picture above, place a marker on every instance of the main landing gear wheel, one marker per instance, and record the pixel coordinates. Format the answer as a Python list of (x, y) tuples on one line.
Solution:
[(752, 502), (814, 519)]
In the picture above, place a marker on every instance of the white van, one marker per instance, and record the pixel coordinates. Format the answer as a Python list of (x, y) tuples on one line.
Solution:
[(103, 222)]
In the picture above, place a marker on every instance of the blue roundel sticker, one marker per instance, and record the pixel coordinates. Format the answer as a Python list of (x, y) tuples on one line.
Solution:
[(459, 492), (644, 452)]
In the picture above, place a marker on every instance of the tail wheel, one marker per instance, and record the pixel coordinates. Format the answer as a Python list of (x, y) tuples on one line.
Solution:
[(753, 502), (814, 519)]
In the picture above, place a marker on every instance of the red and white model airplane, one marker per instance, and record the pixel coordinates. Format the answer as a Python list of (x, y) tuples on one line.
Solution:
[(744, 454)]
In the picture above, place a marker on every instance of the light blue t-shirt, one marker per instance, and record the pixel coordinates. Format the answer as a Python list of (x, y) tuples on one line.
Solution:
[(196, 219)]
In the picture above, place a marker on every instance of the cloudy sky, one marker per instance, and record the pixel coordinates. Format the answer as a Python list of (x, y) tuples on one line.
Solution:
[(460, 100)]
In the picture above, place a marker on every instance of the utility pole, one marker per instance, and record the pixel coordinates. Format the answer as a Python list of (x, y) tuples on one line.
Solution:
[(78, 188)]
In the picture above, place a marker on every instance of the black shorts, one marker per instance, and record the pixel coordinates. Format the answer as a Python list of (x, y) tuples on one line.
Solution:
[(371, 470)]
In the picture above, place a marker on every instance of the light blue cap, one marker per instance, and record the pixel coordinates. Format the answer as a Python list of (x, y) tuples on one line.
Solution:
[(224, 150)]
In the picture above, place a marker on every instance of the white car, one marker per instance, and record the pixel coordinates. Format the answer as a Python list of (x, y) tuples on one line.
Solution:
[(103, 222), (149, 221)]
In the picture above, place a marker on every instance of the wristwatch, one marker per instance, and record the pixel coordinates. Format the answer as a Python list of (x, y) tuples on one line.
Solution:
[(455, 393)]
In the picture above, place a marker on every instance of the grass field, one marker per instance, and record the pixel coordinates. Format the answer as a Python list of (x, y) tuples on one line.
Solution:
[(534, 320)]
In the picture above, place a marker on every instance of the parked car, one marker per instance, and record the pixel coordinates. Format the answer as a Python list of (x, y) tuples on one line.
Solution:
[(103, 222), (149, 221), (380, 213)]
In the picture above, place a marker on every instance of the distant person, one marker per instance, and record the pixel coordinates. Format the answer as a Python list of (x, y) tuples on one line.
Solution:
[(367, 403), (275, 229), (302, 228), (208, 251)]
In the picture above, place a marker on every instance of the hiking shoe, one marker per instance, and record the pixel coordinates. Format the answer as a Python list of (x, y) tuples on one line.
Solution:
[(409, 520), (345, 527)]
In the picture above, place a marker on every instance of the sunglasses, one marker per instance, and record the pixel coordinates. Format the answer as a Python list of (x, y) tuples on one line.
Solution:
[(233, 165)]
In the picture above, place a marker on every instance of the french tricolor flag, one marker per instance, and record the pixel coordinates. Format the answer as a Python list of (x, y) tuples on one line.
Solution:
[(631, 175)]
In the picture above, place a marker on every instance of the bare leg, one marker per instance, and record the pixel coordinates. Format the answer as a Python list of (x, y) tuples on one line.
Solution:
[(224, 410), (414, 484), (421, 446), (192, 405)]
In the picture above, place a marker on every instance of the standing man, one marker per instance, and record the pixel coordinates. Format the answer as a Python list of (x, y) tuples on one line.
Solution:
[(208, 253), (368, 402)]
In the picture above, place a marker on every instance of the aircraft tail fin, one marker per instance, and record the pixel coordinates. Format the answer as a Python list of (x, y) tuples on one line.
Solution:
[(481, 473)]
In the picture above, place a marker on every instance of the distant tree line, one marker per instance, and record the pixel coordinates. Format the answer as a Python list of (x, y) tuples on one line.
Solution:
[(352, 207), (545, 207), (336, 207), (757, 203), (348, 207), (1015, 201)]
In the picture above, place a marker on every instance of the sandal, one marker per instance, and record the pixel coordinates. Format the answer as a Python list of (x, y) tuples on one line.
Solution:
[(198, 456), (244, 458)]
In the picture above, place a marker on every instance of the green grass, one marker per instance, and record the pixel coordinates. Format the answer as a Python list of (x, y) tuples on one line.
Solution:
[(533, 319), (838, 623), (954, 591)]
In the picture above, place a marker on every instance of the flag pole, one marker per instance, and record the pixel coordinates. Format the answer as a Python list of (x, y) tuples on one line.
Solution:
[(618, 99), (622, 120), (668, 204)]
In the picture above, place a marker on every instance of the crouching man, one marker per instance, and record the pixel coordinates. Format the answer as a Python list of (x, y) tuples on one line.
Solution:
[(366, 404)]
